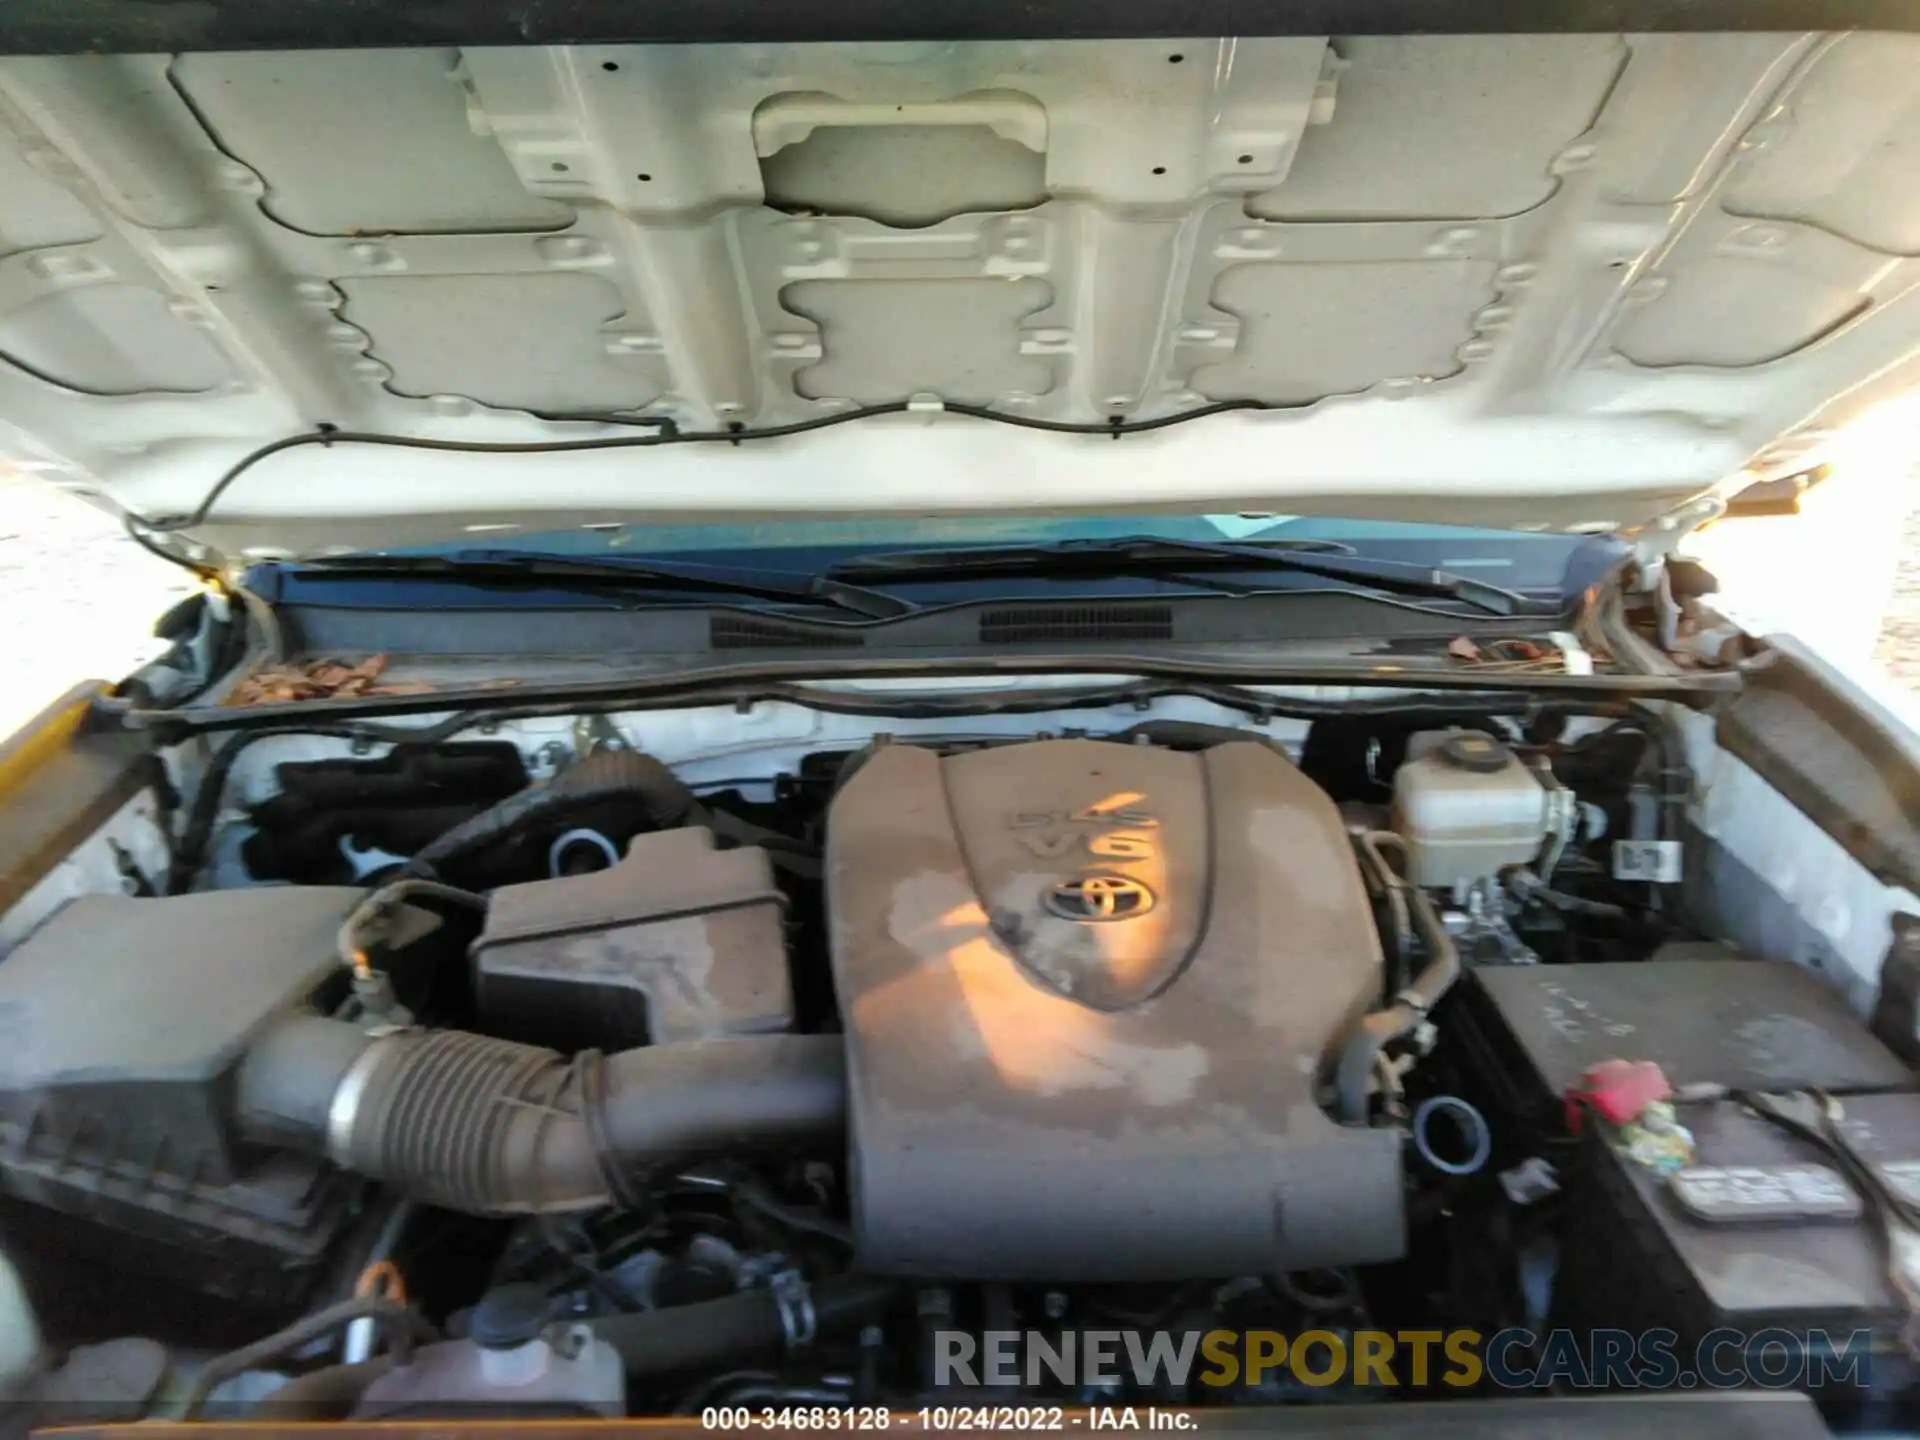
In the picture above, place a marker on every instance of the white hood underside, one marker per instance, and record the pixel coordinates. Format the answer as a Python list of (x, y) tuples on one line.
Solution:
[(1554, 281)]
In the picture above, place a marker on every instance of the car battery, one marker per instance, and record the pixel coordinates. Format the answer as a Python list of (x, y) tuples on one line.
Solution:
[(1530, 1032), (678, 941), (1761, 1232)]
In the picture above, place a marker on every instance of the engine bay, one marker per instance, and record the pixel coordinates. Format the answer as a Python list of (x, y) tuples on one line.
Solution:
[(514, 1066)]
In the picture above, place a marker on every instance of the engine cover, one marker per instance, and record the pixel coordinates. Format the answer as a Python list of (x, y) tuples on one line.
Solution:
[(1087, 989)]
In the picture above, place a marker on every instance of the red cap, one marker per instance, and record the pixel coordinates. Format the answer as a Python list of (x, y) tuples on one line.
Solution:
[(1619, 1091)]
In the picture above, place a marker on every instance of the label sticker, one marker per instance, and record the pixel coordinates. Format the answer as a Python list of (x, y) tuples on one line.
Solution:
[(1736, 1193), (1657, 861)]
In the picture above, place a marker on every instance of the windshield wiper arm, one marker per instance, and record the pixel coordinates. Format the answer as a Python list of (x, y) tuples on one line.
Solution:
[(535, 569), (1146, 555)]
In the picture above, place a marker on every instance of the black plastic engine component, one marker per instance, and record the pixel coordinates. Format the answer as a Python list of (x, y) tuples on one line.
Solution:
[(679, 941), (1760, 1232), (1534, 1030), (122, 1022), (395, 803), (94, 1242), (1088, 988), (619, 792)]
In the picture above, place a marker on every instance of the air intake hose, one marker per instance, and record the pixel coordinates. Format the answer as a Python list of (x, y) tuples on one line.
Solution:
[(493, 1128), (661, 798)]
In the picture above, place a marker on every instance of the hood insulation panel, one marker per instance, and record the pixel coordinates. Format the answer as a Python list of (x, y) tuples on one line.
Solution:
[(1566, 280)]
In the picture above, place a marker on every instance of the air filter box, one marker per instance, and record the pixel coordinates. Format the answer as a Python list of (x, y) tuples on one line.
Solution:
[(679, 941), (121, 1023)]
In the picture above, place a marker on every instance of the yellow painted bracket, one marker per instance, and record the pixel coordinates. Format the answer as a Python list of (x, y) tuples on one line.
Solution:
[(59, 782)]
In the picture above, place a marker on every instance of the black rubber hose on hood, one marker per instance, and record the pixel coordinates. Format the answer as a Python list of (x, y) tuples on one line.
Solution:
[(489, 1127)]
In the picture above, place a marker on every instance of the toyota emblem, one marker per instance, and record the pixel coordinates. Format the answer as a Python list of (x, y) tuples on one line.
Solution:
[(1094, 898)]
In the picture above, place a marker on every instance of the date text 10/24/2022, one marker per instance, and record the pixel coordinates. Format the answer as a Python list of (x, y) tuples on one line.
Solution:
[(938, 1418)]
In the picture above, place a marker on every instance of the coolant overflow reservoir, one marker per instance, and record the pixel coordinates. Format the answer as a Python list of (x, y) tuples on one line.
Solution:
[(514, 1364), (1467, 807)]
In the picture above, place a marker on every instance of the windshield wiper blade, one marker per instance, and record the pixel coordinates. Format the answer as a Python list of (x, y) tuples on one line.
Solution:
[(1146, 555), (535, 569)]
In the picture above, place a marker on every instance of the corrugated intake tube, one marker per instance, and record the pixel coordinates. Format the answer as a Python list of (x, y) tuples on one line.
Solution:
[(489, 1127)]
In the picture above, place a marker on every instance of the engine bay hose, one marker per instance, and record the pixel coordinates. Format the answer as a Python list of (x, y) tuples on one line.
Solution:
[(490, 1127), (329, 1393), (1666, 758), (662, 798), (405, 1327), (735, 1327), (1353, 1070), (368, 920)]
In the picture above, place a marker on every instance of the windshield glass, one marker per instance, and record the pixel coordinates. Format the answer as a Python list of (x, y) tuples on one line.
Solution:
[(766, 538)]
